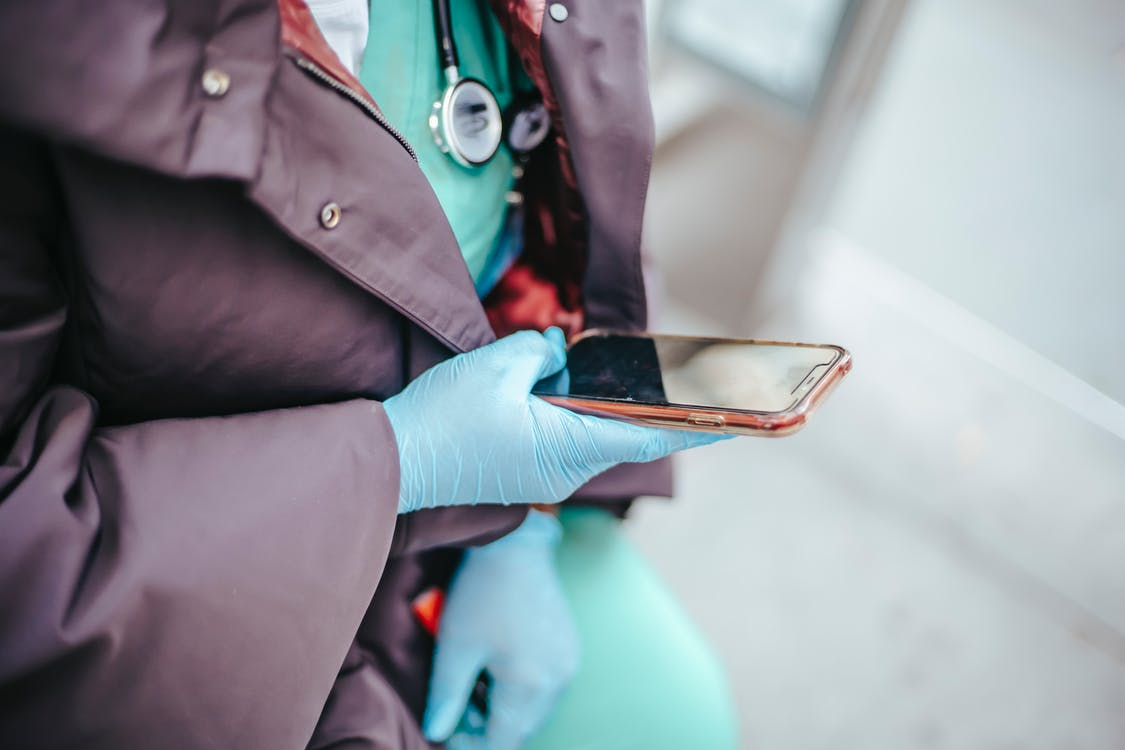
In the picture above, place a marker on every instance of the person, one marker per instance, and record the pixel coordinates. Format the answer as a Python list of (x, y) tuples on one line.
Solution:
[(252, 405)]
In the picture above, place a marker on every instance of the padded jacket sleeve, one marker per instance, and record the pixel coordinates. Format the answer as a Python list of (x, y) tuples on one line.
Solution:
[(179, 583)]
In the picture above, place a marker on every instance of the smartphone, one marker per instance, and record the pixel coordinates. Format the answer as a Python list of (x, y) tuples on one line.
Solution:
[(737, 386)]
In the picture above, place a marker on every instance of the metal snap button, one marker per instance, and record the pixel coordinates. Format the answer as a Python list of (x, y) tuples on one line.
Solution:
[(558, 12), (330, 215), (215, 82)]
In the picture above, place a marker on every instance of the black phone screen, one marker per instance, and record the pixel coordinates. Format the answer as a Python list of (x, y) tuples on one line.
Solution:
[(679, 371)]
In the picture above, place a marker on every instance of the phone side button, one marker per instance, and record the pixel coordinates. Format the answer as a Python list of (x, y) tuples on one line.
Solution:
[(705, 420)]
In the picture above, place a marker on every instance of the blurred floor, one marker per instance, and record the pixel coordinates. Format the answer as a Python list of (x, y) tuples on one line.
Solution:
[(938, 560)]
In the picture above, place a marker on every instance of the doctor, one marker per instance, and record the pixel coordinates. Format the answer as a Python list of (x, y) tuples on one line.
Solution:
[(251, 405)]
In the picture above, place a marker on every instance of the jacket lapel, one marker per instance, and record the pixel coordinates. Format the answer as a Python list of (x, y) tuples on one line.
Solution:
[(604, 136), (390, 235)]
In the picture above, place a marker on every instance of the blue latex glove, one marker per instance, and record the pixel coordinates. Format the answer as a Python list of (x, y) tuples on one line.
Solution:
[(504, 613), (469, 431)]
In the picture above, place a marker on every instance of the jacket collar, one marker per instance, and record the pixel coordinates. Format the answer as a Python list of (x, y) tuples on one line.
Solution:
[(396, 243), (299, 32)]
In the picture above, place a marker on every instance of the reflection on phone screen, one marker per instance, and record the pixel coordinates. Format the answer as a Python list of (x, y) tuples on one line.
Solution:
[(757, 377)]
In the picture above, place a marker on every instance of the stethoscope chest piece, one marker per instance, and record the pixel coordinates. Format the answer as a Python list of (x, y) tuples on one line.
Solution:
[(466, 121)]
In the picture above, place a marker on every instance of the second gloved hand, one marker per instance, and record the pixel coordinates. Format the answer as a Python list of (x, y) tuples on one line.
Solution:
[(469, 431), (505, 614)]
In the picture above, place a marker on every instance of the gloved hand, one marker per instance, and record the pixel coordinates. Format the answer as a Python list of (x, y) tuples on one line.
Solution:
[(504, 613), (469, 431)]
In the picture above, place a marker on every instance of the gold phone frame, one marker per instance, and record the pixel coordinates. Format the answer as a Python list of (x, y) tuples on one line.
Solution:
[(713, 418)]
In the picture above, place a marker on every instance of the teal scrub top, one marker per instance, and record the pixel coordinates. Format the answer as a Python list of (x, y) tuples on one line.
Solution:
[(401, 70)]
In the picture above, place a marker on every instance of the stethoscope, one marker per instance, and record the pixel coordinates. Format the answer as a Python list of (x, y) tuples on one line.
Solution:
[(466, 121)]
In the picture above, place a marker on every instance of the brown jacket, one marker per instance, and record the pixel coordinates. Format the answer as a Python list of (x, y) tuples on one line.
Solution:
[(199, 544)]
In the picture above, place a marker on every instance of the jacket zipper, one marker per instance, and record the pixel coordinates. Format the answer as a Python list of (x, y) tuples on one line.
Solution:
[(317, 72)]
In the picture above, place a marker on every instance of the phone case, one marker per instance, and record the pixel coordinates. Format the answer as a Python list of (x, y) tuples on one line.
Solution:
[(711, 419)]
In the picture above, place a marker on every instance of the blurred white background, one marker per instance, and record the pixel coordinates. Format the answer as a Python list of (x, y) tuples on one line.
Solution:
[(938, 560)]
